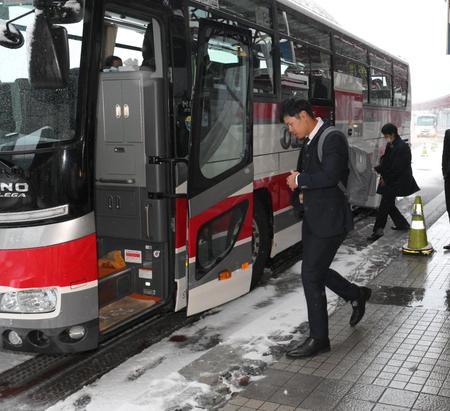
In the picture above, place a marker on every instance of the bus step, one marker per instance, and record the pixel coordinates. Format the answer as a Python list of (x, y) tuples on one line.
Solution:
[(127, 307)]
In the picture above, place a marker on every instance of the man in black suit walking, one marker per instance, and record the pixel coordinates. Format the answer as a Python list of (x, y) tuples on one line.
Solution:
[(396, 181), (446, 173), (327, 219)]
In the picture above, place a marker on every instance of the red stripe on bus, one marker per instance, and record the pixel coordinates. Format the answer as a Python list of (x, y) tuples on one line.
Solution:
[(278, 189), (358, 96), (65, 264), (265, 111), (349, 106), (180, 222)]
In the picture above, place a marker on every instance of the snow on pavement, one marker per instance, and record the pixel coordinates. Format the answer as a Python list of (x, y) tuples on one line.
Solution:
[(250, 325)]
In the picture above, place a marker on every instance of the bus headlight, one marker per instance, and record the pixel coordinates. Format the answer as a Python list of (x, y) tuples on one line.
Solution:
[(36, 300)]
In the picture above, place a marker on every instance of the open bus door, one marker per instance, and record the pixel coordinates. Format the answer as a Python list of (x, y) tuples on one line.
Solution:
[(220, 181)]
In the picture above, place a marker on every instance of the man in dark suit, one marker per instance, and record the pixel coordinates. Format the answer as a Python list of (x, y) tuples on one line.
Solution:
[(446, 173), (327, 219), (396, 181)]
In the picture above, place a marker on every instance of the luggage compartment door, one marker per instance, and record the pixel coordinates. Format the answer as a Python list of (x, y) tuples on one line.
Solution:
[(220, 180)]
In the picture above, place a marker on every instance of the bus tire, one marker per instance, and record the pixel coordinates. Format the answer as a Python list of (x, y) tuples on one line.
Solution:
[(260, 242)]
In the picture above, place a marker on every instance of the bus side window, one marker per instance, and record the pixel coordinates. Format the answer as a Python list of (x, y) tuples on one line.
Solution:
[(400, 85), (262, 64), (320, 75), (294, 68), (380, 88), (350, 68), (137, 42)]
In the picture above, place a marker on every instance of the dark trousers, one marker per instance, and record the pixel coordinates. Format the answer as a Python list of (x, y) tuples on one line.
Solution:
[(387, 207), (447, 194), (318, 253)]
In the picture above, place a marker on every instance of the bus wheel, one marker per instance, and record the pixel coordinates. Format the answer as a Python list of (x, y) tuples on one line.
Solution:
[(260, 242)]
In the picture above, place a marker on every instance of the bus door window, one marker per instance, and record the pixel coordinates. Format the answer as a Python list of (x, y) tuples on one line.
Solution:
[(320, 75), (217, 237), (262, 63), (294, 69), (224, 91)]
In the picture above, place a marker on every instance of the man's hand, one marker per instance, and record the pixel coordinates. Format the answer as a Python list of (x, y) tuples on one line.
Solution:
[(291, 180)]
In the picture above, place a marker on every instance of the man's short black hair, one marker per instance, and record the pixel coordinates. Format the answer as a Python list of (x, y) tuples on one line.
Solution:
[(294, 106), (389, 128)]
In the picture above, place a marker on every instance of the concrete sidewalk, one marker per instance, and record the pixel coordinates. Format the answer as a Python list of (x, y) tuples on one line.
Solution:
[(397, 358)]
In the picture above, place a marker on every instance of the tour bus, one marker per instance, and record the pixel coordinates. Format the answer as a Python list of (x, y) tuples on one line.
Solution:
[(439, 107), (160, 184)]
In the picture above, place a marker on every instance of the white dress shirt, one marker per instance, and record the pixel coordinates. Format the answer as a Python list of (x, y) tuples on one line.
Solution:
[(311, 136)]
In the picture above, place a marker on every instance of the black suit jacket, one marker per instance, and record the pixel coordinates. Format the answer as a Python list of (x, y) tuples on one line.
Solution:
[(446, 155), (395, 168), (326, 209)]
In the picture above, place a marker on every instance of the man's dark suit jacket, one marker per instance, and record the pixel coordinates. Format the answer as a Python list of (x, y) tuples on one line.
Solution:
[(446, 155), (395, 168), (326, 209)]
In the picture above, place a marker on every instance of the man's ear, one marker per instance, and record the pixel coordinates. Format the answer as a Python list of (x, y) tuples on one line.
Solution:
[(302, 115)]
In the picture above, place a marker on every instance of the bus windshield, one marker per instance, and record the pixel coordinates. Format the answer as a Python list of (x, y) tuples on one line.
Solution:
[(426, 121), (32, 118)]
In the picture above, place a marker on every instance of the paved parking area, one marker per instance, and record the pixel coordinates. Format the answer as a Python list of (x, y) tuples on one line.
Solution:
[(397, 358)]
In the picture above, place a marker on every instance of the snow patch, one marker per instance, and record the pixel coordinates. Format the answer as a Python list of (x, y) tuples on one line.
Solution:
[(259, 327), (173, 392)]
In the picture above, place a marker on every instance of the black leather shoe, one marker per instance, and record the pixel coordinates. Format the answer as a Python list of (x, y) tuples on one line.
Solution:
[(400, 228), (447, 247), (310, 348), (375, 235), (359, 305)]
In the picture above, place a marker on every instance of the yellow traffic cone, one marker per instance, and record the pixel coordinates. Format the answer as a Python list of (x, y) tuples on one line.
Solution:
[(417, 241)]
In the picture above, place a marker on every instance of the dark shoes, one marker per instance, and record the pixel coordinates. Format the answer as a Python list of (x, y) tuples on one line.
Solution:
[(376, 235), (447, 247), (313, 346), (359, 305), (309, 348), (401, 227)]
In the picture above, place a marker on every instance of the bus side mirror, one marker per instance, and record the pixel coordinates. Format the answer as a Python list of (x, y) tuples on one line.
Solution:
[(10, 36), (61, 12), (49, 59)]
